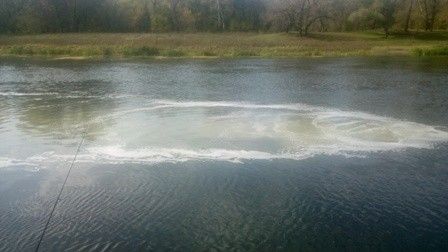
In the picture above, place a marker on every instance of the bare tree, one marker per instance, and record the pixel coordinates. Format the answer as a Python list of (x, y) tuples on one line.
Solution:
[(309, 12), (174, 15), (430, 9)]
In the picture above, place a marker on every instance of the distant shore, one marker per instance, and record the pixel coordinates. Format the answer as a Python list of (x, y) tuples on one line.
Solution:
[(221, 45)]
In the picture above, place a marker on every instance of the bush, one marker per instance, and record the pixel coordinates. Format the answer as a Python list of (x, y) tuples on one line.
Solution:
[(140, 51), (107, 52), (91, 52), (53, 51)]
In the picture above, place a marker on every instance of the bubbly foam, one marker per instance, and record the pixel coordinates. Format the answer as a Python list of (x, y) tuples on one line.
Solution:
[(11, 162), (170, 104), (67, 96), (157, 155), (246, 131), (26, 94), (118, 155)]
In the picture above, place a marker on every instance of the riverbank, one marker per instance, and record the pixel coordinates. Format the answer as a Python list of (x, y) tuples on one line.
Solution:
[(225, 45)]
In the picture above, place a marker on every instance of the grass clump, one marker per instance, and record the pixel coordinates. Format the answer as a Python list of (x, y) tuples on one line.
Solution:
[(107, 52), (21, 50), (173, 53), (244, 53), (143, 51), (208, 54), (50, 51), (434, 51), (91, 52)]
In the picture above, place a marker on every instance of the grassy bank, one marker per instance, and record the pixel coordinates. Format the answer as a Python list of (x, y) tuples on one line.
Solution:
[(222, 45)]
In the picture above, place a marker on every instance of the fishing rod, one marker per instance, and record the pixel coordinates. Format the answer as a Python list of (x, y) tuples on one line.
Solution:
[(60, 193)]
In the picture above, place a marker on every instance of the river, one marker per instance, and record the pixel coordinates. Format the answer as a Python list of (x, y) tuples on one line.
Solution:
[(248, 154)]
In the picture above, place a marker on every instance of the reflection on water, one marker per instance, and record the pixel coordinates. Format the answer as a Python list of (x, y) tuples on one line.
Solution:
[(247, 154), (55, 116)]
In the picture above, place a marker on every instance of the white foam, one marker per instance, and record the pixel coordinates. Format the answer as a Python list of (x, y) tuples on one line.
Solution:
[(299, 131), (246, 105), (11, 162), (167, 104), (366, 132), (26, 94), (118, 155), (301, 108), (68, 96)]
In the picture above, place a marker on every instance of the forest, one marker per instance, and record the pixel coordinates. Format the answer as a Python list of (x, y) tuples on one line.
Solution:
[(292, 16)]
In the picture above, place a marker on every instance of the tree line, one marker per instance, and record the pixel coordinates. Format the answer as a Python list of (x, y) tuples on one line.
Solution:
[(300, 16)]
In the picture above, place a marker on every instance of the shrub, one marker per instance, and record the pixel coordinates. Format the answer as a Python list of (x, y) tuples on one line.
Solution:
[(107, 52), (140, 51)]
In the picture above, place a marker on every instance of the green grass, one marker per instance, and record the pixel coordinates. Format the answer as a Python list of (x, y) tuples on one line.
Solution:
[(268, 45), (142, 51), (173, 53), (435, 51)]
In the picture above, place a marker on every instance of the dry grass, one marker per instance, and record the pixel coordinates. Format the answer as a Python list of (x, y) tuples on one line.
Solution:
[(217, 44)]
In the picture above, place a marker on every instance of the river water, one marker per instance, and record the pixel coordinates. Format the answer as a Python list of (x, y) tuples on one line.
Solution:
[(252, 154)]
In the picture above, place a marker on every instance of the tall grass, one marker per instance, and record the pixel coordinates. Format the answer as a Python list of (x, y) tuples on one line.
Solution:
[(173, 53), (435, 51), (21, 50), (222, 45), (140, 51)]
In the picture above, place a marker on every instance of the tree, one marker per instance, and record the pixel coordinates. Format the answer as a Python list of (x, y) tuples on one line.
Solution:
[(10, 10), (387, 9), (301, 16), (365, 18), (309, 12), (430, 10), (142, 17), (174, 15)]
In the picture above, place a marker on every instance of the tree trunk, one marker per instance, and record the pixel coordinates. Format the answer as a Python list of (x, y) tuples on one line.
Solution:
[(174, 15), (221, 24), (75, 27), (431, 10), (408, 17), (301, 19), (434, 11), (426, 9)]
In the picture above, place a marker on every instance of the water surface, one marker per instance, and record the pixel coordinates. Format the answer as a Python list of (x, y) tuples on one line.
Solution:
[(311, 154)]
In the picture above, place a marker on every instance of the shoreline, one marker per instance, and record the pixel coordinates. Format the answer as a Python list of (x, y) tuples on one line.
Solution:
[(161, 58), (86, 46)]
